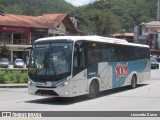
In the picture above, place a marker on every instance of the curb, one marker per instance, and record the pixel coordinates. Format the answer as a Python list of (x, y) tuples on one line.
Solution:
[(13, 85)]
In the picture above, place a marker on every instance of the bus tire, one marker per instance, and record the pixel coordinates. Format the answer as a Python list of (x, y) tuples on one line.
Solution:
[(93, 89), (134, 81)]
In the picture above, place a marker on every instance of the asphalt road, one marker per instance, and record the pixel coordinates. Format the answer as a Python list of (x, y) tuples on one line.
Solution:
[(146, 97)]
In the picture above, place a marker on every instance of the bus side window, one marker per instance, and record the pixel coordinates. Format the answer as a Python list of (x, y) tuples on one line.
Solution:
[(75, 62), (79, 61), (79, 57), (82, 57)]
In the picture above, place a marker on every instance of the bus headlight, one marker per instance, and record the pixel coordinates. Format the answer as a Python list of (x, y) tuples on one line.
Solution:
[(65, 83), (30, 83)]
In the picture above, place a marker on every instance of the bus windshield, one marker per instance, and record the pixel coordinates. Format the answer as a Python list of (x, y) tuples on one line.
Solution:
[(51, 59)]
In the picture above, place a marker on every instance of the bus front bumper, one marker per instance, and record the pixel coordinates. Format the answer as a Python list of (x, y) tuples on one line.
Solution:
[(59, 91)]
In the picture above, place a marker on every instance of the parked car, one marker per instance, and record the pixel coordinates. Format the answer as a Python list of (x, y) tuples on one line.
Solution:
[(4, 62), (154, 64), (158, 58), (154, 57), (18, 63)]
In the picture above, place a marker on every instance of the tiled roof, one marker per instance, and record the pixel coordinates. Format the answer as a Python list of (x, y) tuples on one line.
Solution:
[(19, 20), (44, 21), (154, 24), (52, 20), (123, 34), (154, 29)]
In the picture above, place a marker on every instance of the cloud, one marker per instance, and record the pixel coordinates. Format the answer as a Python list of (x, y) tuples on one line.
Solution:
[(79, 2)]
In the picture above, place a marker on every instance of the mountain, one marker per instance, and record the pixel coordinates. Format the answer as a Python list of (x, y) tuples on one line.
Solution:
[(36, 7), (129, 12)]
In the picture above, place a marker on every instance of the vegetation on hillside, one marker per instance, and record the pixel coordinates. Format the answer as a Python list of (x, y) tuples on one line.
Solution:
[(128, 12), (36, 7)]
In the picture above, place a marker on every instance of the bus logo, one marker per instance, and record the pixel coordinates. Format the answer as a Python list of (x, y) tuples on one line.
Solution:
[(121, 70)]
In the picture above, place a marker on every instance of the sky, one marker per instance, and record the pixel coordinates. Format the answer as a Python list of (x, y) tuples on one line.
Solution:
[(79, 2)]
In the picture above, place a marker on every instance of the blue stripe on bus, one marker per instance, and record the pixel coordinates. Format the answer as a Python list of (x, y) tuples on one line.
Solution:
[(121, 70), (55, 83), (92, 71)]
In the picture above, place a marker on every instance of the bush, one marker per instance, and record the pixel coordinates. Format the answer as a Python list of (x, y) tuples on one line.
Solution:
[(13, 76)]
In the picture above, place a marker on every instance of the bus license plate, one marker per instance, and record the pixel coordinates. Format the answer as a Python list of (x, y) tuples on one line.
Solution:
[(46, 84)]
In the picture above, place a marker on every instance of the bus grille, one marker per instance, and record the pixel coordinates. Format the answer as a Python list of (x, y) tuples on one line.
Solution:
[(45, 87), (46, 93)]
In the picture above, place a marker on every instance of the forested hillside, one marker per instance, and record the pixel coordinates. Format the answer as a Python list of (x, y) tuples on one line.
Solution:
[(36, 7), (129, 12), (102, 17)]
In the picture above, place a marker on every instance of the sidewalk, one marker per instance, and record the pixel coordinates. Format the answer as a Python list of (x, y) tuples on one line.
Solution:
[(23, 85)]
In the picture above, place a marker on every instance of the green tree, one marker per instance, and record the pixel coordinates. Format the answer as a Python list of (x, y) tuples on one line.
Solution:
[(3, 50), (2, 7), (100, 22), (129, 12), (36, 7)]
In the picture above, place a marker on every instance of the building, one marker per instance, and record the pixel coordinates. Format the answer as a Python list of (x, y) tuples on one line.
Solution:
[(19, 31), (125, 35), (149, 34)]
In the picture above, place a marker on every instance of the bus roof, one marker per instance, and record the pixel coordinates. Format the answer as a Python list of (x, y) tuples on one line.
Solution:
[(91, 38)]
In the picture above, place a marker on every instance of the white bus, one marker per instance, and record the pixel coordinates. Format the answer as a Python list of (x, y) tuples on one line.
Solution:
[(68, 66)]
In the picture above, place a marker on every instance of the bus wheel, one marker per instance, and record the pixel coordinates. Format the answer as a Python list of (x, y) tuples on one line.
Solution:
[(93, 89), (134, 82)]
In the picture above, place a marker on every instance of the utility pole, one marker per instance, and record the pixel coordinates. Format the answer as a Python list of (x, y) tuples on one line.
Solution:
[(158, 11)]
